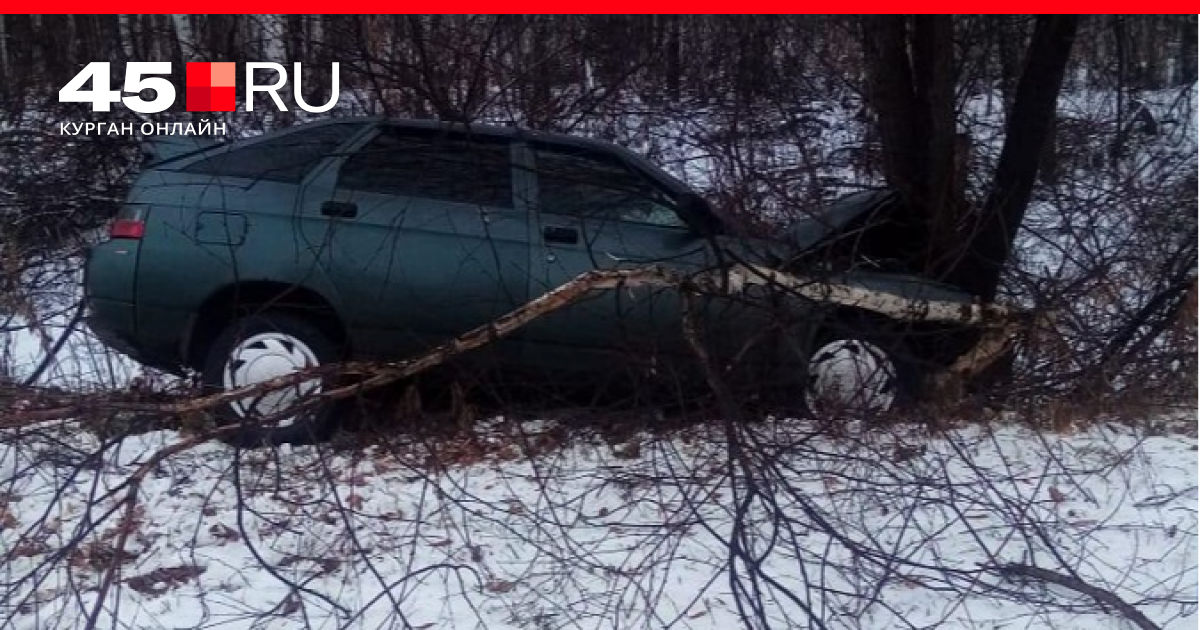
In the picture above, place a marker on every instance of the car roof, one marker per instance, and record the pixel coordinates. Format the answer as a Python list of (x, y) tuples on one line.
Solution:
[(490, 129), (519, 133), (498, 131)]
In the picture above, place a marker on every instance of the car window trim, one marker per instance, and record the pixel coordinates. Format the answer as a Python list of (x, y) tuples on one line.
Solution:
[(378, 130), (634, 167), (249, 143)]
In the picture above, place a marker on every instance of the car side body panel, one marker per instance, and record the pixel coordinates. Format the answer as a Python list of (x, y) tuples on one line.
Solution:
[(402, 268)]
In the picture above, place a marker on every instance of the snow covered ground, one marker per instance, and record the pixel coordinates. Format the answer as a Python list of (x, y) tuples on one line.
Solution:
[(777, 527), (62, 352)]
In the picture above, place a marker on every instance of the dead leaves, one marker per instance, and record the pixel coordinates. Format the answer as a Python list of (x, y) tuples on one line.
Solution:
[(224, 533), (499, 587), (7, 520), (162, 580), (322, 566), (100, 556), (290, 605), (629, 450), (28, 548)]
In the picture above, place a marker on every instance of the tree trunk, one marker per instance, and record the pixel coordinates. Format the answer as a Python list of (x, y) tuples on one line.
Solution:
[(914, 100), (933, 80), (1009, 37), (1187, 51), (674, 54), (184, 34), (272, 37), (3, 47), (889, 78), (125, 35), (1027, 129)]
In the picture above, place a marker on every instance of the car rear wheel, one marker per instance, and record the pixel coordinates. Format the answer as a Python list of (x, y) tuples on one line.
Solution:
[(260, 348)]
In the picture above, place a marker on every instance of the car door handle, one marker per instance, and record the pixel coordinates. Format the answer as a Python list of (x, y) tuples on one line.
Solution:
[(560, 234), (340, 209)]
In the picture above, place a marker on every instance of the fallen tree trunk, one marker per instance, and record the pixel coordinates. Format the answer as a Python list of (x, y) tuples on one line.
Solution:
[(1002, 323)]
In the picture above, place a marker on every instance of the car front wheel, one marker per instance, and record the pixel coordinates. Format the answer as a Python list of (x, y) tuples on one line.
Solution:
[(858, 376), (259, 348)]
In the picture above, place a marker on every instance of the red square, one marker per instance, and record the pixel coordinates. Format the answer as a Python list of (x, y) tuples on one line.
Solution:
[(211, 87), (222, 99), (199, 74), (198, 98)]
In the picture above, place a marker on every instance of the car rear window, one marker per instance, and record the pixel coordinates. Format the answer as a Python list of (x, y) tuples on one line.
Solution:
[(284, 159)]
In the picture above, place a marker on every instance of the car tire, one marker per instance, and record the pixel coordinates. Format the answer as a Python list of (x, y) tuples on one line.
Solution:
[(858, 370), (260, 347)]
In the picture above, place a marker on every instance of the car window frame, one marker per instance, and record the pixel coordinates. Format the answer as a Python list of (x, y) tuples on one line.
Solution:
[(363, 127), (668, 195), (515, 203)]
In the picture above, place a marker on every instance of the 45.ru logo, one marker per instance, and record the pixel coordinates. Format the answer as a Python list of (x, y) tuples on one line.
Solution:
[(211, 87)]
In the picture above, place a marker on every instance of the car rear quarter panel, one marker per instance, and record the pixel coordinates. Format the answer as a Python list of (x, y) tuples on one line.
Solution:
[(109, 282), (206, 233)]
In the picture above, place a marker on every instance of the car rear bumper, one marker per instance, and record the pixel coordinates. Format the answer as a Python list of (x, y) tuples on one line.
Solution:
[(112, 322)]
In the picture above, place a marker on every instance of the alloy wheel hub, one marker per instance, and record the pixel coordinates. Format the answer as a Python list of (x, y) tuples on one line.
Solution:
[(851, 376), (263, 357)]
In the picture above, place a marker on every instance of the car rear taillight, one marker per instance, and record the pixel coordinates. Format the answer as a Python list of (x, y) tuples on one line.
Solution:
[(127, 228)]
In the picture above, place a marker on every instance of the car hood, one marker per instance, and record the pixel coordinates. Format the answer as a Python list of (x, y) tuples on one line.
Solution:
[(810, 231)]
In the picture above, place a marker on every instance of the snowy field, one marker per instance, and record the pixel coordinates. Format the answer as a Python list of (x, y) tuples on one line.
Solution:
[(539, 528), (524, 528)]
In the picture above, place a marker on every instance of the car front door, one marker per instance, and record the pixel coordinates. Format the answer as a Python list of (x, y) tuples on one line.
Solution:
[(425, 235), (596, 212)]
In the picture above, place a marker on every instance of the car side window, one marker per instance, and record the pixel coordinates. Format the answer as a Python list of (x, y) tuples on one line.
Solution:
[(284, 159), (432, 164), (592, 184)]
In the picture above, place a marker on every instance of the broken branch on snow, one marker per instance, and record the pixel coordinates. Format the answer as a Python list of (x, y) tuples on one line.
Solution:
[(998, 321)]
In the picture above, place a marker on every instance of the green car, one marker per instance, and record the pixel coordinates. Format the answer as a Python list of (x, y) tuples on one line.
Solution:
[(376, 239)]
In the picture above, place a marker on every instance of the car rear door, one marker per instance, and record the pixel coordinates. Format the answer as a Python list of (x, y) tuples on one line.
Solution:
[(424, 235)]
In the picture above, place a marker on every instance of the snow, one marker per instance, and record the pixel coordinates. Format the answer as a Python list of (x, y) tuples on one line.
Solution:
[(884, 529), (53, 292)]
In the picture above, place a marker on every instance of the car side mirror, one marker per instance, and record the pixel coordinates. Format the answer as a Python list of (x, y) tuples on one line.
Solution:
[(695, 211)]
